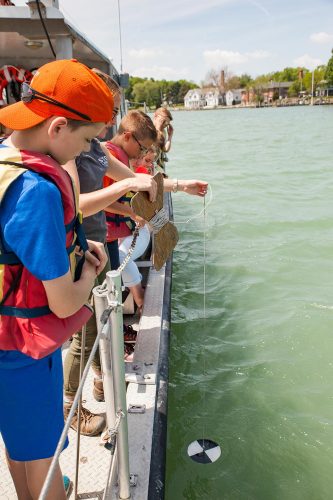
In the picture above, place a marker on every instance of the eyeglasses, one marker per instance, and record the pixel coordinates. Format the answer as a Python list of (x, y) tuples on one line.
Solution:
[(28, 94), (115, 112), (143, 149)]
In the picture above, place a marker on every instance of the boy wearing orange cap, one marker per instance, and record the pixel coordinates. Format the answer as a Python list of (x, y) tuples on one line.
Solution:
[(41, 305)]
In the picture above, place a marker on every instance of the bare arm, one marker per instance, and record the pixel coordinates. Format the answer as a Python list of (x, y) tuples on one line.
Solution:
[(167, 145), (189, 186), (122, 209), (91, 203), (66, 297)]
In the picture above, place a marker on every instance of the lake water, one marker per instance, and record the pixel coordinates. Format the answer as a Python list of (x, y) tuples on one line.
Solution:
[(256, 374)]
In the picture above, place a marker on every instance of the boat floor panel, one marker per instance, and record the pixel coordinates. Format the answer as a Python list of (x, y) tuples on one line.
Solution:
[(94, 458)]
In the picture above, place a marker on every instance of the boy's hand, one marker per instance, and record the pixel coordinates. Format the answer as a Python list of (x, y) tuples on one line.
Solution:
[(170, 130), (145, 182), (139, 220), (193, 187), (96, 255)]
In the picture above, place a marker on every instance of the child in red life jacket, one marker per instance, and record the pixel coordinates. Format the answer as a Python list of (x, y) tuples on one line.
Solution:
[(62, 110), (145, 165), (135, 136)]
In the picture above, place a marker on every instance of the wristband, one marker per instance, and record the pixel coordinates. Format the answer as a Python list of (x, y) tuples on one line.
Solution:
[(175, 186)]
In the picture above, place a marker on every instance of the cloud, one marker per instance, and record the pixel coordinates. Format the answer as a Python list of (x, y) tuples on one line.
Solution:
[(260, 7), (145, 53), (308, 61), (258, 54), (160, 72), (321, 37), (220, 57), (174, 10)]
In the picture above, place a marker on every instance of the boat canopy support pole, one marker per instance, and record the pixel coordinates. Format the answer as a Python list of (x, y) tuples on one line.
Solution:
[(64, 47)]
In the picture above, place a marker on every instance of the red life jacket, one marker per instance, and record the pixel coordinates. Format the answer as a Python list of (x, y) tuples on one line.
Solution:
[(26, 322), (118, 226)]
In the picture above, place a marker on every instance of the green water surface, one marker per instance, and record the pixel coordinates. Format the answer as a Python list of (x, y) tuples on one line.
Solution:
[(256, 374)]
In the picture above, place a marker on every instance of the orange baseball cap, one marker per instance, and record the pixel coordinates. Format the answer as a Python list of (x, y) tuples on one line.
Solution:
[(60, 88)]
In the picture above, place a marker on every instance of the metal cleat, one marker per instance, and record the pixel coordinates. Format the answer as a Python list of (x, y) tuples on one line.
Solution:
[(137, 408), (133, 480)]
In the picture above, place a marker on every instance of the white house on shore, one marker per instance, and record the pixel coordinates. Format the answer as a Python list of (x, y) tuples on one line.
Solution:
[(203, 98), (233, 97), (194, 99)]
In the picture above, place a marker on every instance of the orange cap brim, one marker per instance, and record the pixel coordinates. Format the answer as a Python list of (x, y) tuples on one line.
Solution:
[(19, 117)]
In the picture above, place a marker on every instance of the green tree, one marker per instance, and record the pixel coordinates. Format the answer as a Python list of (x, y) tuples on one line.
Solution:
[(132, 81), (329, 71), (185, 86), (294, 89), (319, 75), (245, 80), (232, 83), (149, 92), (286, 75), (139, 92)]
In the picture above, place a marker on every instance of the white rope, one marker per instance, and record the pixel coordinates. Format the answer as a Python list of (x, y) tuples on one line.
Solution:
[(201, 211), (204, 312), (160, 219)]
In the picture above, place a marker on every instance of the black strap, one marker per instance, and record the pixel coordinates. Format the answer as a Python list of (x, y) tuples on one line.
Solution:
[(9, 259), (16, 164), (81, 239), (23, 312), (13, 285), (20, 312), (117, 219)]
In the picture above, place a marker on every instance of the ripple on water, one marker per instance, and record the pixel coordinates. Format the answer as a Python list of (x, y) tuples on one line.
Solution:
[(255, 374)]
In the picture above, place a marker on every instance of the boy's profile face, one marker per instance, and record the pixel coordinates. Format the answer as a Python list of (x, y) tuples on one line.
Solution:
[(135, 147), (147, 160), (66, 143)]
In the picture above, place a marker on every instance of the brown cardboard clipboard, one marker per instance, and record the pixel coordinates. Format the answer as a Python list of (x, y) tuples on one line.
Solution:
[(165, 240)]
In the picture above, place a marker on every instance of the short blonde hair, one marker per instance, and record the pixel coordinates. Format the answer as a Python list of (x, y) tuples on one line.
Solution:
[(141, 124), (164, 112), (160, 140)]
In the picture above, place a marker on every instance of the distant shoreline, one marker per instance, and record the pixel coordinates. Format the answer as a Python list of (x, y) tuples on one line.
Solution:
[(254, 106)]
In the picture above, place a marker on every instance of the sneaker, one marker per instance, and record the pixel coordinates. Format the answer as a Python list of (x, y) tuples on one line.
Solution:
[(91, 424), (128, 352), (130, 334), (98, 390)]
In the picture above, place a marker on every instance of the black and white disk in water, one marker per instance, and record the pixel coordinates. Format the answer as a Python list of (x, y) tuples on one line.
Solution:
[(204, 451)]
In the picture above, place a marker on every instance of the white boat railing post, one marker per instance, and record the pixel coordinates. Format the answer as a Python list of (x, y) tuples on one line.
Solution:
[(113, 279), (101, 304)]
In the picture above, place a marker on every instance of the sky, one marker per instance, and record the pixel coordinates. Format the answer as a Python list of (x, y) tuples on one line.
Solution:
[(184, 39)]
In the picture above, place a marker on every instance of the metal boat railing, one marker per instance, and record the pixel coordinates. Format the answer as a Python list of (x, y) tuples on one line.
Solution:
[(108, 307)]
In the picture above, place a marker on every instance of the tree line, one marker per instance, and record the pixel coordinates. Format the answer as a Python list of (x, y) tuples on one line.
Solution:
[(301, 79), (157, 92)]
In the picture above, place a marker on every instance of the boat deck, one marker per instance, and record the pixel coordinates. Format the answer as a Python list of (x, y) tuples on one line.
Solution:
[(142, 374)]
